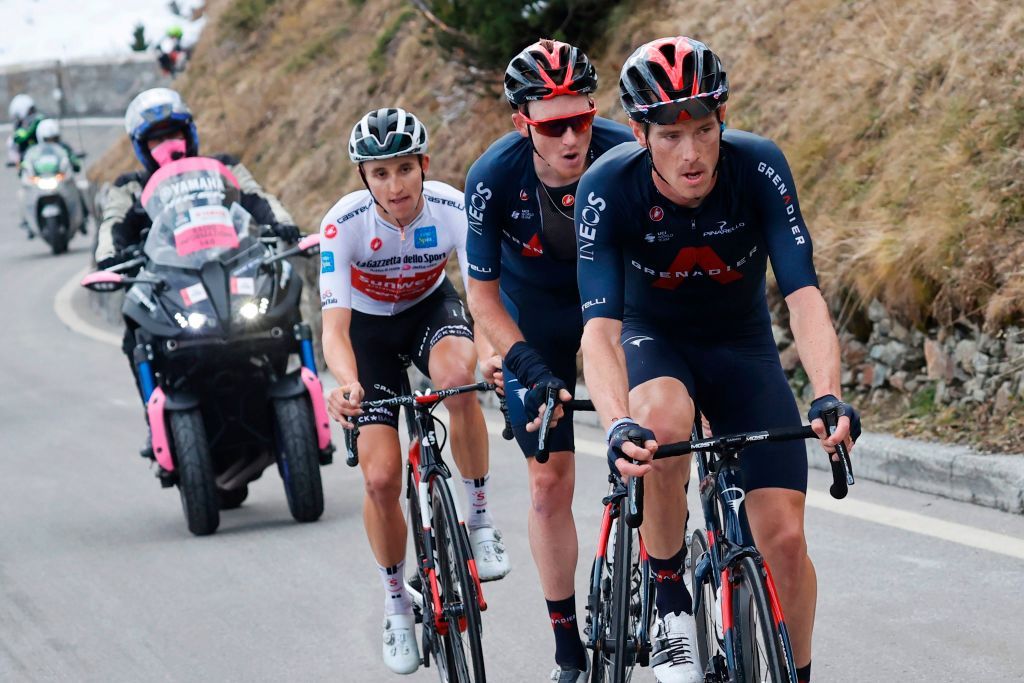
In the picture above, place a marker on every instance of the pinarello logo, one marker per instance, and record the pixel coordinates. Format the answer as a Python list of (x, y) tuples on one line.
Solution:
[(568, 200), (331, 231), (523, 195), (657, 213), (376, 243)]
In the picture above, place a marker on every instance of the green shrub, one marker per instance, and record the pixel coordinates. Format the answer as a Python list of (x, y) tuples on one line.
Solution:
[(488, 34), (245, 15)]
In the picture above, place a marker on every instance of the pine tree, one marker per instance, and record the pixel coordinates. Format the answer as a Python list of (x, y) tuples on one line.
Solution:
[(139, 43)]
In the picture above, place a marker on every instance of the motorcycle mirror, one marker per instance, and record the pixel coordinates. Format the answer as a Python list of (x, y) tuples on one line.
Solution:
[(103, 281), (309, 241)]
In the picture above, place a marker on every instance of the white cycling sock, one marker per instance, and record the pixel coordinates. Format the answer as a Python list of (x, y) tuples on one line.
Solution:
[(477, 514), (396, 599)]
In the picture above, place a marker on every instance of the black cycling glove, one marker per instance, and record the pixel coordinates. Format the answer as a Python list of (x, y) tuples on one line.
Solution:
[(119, 257), (622, 431), (828, 402), (533, 373), (287, 232)]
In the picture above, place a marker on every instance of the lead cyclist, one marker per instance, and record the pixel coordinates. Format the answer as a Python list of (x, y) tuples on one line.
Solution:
[(384, 294), (674, 241)]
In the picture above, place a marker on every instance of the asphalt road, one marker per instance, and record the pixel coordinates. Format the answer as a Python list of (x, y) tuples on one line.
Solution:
[(101, 581)]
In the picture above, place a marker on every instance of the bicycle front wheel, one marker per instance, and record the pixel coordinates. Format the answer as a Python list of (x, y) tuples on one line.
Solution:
[(622, 622), (459, 600), (707, 617), (761, 647)]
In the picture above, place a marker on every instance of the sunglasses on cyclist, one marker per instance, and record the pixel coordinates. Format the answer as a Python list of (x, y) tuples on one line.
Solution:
[(555, 127), (682, 109)]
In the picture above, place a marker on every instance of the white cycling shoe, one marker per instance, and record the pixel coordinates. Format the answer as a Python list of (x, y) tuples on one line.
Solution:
[(674, 650), (401, 653), (489, 552)]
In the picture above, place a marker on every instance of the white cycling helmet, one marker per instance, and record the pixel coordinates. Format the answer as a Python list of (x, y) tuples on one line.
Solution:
[(385, 134), (157, 111), (20, 107), (48, 130)]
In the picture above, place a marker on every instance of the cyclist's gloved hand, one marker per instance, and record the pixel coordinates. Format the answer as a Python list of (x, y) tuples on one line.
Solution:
[(622, 431), (286, 232), (537, 396), (828, 402), (119, 257), (530, 369)]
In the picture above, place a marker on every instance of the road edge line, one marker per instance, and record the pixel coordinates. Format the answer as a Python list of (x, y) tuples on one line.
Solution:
[(69, 316)]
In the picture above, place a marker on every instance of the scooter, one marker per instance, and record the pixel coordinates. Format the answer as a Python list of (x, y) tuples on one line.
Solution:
[(225, 363), (52, 203)]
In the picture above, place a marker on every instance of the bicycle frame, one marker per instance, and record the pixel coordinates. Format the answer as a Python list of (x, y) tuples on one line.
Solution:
[(729, 539), (424, 464)]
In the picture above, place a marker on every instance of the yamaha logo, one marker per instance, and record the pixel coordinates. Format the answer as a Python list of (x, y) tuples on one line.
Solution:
[(568, 200), (331, 231), (376, 243), (523, 195), (657, 213)]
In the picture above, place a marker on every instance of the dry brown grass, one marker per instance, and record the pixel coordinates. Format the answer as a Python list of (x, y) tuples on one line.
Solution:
[(902, 121)]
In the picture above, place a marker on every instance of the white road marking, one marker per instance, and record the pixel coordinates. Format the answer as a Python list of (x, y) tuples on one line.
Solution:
[(913, 522), (70, 317)]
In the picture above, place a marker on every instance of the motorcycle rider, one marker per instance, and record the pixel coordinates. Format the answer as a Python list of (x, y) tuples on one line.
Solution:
[(162, 130), (25, 118), (48, 130)]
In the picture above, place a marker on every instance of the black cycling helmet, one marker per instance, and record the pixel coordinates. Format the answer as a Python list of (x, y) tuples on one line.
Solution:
[(547, 69), (672, 79), (385, 134)]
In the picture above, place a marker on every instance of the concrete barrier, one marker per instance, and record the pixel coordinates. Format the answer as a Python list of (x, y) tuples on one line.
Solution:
[(101, 86)]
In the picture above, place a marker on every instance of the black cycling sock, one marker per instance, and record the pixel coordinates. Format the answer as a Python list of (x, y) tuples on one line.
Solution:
[(569, 650), (671, 594), (803, 673)]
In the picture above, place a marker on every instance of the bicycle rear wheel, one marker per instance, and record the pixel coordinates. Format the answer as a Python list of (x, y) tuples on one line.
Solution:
[(459, 600), (761, 647)]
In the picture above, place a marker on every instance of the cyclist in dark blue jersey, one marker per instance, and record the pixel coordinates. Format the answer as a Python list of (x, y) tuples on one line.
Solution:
[(674, 236), (522, 290)]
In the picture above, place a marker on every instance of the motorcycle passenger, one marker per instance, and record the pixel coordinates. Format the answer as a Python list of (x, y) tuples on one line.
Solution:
[(384, 294), (162, 130)]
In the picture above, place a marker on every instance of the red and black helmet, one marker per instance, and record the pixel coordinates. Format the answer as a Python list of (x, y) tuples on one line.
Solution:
[(672, 79), (547, 69)]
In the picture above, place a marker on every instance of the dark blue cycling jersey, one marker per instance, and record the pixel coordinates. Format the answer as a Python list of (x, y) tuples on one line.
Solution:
[(700, 270), (503, 203)]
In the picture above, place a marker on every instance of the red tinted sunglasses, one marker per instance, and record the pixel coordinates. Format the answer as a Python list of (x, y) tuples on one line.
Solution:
[(556, 127)]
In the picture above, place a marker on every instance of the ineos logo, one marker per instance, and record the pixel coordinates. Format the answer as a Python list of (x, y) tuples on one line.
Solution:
[(590, 216), (477, 205)]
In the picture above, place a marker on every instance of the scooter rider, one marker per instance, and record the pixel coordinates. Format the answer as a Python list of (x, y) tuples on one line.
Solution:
[(48, 130), (25, 118), (162, 130)]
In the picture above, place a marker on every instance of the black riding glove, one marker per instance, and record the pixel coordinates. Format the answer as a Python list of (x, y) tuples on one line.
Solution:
[(533, 373), (119, 257), (625, 430), (828, 402), (286, 232)]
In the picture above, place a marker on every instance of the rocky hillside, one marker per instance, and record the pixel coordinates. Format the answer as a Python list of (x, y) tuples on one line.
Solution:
[(902, 121)]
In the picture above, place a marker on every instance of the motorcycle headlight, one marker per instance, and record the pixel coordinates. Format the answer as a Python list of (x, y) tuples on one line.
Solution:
[(196, 320), (47, 184), (249, 310)]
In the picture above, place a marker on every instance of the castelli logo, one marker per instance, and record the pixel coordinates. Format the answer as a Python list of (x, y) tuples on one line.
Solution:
[(657, 213), (376, 243), (568, 200), (331, 231), (523, 195)]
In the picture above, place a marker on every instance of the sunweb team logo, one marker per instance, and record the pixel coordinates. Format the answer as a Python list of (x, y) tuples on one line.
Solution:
[(568, 200), (376, 243), (331, 231), (657, 213)]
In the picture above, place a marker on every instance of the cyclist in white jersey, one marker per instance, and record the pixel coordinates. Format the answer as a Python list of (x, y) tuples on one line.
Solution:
[(384, 294)]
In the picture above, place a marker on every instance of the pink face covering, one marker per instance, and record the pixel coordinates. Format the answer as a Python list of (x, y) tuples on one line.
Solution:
[(168, 151)]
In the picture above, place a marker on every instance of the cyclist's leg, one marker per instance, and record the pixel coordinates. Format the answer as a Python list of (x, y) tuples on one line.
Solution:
[(380, 460), (659, 399), (553, 328), (750, 392)]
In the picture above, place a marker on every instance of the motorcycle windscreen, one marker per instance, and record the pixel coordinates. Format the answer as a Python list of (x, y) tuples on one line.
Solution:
[(194, 206), (46, 159)]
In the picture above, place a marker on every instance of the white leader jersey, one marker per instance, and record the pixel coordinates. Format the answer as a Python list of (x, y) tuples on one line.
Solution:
[(372, 266)]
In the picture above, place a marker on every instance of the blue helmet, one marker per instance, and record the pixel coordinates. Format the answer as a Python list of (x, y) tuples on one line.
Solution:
[(157, 111)]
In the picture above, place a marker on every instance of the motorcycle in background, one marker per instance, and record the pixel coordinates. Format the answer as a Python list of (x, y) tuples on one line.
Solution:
[(224, 359), (52, 204)]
